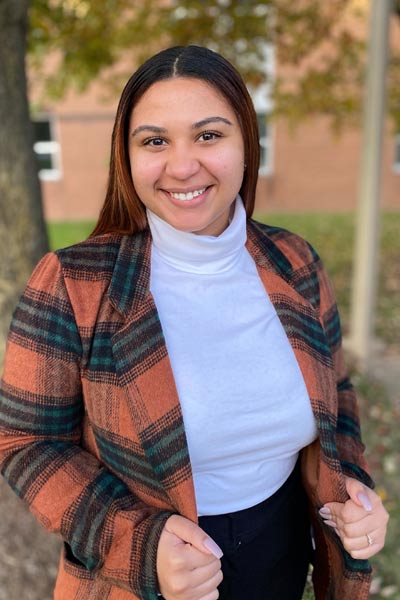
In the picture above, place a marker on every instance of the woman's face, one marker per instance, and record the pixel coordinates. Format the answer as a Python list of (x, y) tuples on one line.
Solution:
[(187, 155)]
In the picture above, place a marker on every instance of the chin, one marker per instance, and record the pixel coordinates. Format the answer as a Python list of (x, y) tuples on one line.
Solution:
[(188, 227)]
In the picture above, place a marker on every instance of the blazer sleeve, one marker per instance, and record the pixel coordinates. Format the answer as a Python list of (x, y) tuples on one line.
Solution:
[(108, 529), (348, 435)]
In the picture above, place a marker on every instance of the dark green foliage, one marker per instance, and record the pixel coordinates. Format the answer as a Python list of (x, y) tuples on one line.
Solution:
[(319, 46)]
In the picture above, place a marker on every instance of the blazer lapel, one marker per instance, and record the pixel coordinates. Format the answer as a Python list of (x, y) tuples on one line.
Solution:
[(303, 328), (145, 373)]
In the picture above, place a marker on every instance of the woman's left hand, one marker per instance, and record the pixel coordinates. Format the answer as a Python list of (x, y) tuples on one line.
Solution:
[(361, 522)]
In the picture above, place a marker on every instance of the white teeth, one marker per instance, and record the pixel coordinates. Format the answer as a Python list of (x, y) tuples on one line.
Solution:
[(188, 196)]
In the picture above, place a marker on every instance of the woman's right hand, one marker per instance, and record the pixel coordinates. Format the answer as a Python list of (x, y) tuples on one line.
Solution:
[(188, 562)]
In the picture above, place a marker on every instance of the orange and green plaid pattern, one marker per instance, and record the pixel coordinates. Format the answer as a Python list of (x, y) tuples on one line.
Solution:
[(91, 430)]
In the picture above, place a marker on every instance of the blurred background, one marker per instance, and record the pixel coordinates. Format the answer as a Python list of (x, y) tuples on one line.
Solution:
[(325, 80)]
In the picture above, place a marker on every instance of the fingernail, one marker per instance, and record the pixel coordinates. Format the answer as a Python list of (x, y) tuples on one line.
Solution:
[(325, 512), (365, 501), (330, 523), (213, 547)]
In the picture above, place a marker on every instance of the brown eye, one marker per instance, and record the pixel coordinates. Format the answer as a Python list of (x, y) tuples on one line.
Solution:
[(209, 136), (155, 141)]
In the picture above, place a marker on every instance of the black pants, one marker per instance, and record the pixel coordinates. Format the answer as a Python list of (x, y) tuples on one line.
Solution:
[(267, 548)]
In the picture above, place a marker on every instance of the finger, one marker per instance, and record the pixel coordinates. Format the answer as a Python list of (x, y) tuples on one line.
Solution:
[(332, 525), (193, 583), (358, 528), (353, 519), (351, 530), (359, 493), (212, 596), (370, 545), (361, 502), (196, 559), (209, 587), (183, 556), (353, 544), (346, 512), (331, 510), (205, 579), (192, 534)]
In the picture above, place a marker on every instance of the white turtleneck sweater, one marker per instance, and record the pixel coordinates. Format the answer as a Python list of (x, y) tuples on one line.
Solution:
[(245, 406)]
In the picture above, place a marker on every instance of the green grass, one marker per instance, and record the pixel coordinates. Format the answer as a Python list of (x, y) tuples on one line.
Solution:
[(333, 237), (380, 416), (66, 233)]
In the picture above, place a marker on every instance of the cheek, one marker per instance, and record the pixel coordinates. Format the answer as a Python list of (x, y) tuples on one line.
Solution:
[(226, 159), (144, 172), (233, 165)]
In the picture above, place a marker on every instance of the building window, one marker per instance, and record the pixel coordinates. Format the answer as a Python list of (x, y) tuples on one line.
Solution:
[(396, 164), (264, 129), (263, 103), (47, 149)]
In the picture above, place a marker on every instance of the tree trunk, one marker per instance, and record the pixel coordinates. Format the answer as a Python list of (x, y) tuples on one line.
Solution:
[(23, 238)]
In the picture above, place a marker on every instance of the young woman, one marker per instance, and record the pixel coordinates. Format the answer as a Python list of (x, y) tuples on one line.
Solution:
[(174, 401)]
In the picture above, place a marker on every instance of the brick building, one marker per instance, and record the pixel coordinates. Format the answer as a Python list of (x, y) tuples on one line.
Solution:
[(310, 169)]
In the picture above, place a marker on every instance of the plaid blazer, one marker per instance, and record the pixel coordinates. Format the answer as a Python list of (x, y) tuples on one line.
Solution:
[(92, 436)]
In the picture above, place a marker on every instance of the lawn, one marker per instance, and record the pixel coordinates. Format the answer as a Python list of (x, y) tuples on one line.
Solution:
[(64, 234), (333, 237)]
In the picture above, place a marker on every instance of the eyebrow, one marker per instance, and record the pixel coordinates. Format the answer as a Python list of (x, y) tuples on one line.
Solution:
[(151, 128), (198, 125), (209, 120)]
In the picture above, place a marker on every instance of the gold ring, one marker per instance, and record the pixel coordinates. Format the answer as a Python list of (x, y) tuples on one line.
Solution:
[(370, 540)]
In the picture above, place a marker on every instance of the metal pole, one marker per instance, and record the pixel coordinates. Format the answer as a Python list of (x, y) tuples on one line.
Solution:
[(367, 226)]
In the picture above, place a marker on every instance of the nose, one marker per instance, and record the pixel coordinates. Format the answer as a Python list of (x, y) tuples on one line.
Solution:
[(182, 163)]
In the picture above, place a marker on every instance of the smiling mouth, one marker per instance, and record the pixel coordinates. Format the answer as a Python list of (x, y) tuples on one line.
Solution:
[(189, 195)]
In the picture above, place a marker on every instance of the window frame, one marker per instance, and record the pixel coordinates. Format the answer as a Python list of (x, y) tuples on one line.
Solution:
[(396, 161), (50, 147), (266, 142), (263, 104)]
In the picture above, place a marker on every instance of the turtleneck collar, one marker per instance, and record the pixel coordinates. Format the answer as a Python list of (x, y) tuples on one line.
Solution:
[(194, 253)]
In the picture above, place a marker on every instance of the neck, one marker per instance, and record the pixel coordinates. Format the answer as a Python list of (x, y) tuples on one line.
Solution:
[(199, 253)]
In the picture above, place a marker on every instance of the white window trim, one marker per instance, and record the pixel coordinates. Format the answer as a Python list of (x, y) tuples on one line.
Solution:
[(396, 162), (51, 147), (268, 168), (263, 104)]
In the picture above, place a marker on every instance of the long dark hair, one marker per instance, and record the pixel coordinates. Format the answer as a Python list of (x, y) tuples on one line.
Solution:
[(123, 211)]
